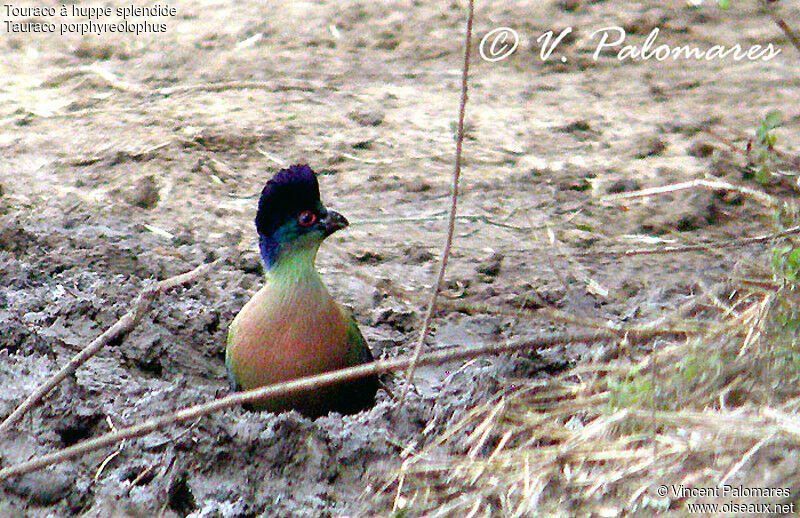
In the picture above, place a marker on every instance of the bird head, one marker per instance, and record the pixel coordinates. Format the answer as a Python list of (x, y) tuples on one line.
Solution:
[(291, 218)]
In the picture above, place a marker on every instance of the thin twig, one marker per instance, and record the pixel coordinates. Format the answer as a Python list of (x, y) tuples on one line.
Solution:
[(111, 78), (315, 382), (436, 217), (141, 305), (746, 458), (787, 31), (711, 245), (278, 160), (236, 85), (367, 160), (451, 224), (765, 199)]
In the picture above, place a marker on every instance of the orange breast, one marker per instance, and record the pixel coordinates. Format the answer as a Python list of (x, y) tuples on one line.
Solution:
[(280, 336)]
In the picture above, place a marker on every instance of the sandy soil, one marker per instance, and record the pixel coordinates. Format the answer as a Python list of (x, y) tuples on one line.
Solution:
[(121, 162)]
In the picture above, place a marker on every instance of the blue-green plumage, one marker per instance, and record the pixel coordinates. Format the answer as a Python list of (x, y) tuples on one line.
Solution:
[(292, 327)]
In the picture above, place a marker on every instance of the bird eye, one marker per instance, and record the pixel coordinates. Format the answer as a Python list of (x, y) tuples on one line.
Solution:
[(307, 218)]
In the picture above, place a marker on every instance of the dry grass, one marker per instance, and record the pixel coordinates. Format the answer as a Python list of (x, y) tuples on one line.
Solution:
[(720, 407)]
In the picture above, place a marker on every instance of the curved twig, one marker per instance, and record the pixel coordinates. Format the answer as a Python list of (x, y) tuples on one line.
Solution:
[(315, 382), (426, 324), (141, 306)]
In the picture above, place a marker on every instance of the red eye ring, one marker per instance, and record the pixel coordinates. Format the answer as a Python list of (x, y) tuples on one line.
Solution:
[(307, 218)]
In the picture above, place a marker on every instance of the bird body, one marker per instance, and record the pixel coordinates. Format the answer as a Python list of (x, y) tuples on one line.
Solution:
[(292, 327)]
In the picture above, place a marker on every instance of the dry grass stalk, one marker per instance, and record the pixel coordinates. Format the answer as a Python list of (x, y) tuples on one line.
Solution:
[(600, 438)]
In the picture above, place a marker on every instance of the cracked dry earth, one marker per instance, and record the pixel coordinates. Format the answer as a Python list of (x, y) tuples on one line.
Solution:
[(130, 158)]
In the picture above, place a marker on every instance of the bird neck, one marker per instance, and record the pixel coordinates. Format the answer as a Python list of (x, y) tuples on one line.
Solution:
[(290, 262)]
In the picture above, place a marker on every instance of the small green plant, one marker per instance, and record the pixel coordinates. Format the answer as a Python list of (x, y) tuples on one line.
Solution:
[(697, 366), (783, 328), (761, 149), (635, 388), (786, 263), (785, 311)]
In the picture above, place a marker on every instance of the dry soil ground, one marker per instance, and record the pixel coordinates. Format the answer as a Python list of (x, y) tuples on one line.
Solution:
[(131, 157)]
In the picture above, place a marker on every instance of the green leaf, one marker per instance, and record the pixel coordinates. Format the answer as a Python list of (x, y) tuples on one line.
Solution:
[(779, 257), (773, 119), (724, 4), (771, 139), (794, 259), (762, 175), (786, 263)]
